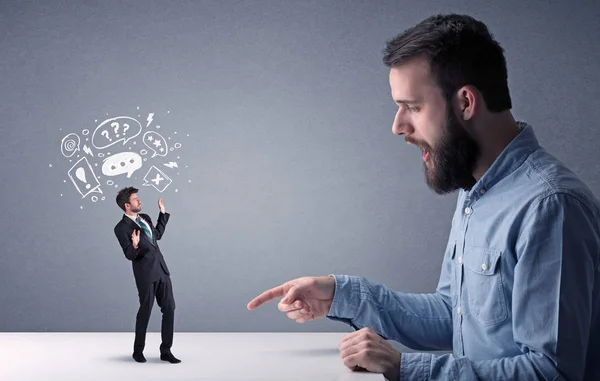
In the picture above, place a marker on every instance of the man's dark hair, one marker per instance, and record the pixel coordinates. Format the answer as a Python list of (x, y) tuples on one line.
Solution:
[(460, 51), (123, 196)]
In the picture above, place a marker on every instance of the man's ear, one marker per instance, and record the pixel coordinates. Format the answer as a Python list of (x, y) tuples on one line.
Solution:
[(467, 101)]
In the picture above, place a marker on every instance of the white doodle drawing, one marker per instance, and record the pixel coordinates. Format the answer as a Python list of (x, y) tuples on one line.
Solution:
[(149, 119), (157, 179), (114, 130), (156, 143), (120, 163), (88, 150), (83, 177), (93, 144), (69, 145)]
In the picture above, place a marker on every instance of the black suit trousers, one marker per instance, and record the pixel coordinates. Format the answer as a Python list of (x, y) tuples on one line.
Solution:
[(162, 290)]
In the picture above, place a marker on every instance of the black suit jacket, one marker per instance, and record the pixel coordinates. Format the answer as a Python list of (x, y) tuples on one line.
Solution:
[(147, 260)]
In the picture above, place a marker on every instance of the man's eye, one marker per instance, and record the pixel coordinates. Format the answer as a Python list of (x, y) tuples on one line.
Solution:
[(413, 108)]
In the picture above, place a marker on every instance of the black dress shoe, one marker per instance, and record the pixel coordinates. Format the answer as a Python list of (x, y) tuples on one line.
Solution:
[(139, 357), (169, 357)]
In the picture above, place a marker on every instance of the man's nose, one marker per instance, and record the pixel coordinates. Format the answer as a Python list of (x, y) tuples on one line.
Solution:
[(402, 128), (400, 125)]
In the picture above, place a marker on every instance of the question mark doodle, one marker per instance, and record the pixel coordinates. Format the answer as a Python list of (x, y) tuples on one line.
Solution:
[(114, 130), (115, 125)]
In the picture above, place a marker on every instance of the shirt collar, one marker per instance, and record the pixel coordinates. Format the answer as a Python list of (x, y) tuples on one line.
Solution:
[(134, 218), (515, 153)]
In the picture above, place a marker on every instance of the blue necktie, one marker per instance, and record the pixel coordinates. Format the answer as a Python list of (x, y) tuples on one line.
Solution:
[(144, 227)]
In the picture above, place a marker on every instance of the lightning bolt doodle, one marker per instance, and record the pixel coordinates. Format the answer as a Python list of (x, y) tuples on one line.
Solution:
[(170, 164), (150, 119), (88, 150)]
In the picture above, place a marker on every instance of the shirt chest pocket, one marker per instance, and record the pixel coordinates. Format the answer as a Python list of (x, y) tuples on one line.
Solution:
[(483, 291)]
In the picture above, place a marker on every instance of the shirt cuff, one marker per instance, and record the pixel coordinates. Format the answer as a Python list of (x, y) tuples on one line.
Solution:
[(346, 297), (415, 366)]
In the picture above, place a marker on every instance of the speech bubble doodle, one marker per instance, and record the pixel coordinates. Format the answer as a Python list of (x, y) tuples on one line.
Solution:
[(157, 179), (156, 143), (83, 177), (124, 162), (69, 145), (114, 130)]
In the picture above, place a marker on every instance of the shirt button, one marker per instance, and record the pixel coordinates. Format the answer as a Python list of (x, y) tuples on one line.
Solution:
[(484, 267), (458, 310), (468, 210), (460, 259), (482, 190)]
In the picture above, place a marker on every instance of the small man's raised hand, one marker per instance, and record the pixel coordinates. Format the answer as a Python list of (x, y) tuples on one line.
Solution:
[(135, 238)]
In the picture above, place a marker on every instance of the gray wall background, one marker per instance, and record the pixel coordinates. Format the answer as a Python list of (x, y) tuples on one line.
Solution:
[(292, 168)]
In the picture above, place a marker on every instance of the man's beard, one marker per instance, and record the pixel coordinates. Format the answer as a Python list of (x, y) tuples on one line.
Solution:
[(136, 210), (453, 159)]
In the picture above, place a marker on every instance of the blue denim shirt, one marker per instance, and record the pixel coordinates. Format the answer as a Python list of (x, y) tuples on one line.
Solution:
[(518, 297)]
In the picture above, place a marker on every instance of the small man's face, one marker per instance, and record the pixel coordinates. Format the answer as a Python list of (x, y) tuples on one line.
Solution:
[(135, 205)]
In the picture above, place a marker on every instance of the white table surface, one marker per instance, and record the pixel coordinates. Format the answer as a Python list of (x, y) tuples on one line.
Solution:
[(205, 356)]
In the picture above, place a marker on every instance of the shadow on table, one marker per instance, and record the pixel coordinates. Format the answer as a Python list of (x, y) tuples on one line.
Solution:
[(123, 358), (311, 352), (128, 358)]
